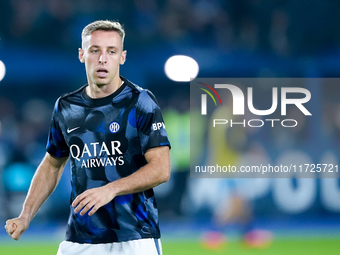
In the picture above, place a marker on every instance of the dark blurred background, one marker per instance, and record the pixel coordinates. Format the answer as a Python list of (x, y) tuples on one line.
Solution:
[(39, 41)]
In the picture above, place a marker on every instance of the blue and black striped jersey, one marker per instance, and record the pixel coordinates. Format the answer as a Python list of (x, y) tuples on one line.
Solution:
[(106, 139)]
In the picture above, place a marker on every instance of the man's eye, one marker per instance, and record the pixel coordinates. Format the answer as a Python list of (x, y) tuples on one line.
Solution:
[(112, 52), (94, 51)]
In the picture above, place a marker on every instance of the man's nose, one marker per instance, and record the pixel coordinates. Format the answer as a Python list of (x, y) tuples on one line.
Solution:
[(103, 58)]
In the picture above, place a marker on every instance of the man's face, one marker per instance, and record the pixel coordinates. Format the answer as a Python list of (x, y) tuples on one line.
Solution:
[(102, 54)]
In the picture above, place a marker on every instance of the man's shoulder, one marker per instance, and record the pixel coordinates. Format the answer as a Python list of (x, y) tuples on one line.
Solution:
[(64, 98), (132, 85), (73, 93), (144, 96)]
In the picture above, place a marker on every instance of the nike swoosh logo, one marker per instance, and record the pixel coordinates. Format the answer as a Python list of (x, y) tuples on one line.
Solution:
[(71, 130)]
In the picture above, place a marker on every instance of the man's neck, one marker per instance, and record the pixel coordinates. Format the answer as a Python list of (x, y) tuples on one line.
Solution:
[(100, 91)]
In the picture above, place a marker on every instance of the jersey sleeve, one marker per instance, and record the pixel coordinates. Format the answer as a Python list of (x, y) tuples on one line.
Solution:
[(56, 144), (151, 128)]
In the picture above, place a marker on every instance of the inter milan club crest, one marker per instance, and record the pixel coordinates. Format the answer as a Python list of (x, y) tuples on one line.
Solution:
[(114, 127)]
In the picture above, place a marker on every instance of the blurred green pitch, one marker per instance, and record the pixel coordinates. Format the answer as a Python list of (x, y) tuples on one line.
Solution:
[(291, 246)]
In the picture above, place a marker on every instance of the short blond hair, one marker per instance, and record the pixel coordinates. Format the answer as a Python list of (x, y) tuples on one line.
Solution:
[(104, 25)]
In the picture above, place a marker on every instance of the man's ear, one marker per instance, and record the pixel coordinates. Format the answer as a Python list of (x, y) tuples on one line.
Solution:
[(123, 58), (81, 55)]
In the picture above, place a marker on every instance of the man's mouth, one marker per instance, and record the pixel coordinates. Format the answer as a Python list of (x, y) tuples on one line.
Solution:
[(102, 73)]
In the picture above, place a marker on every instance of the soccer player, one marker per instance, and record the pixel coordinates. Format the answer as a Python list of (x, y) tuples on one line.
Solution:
[(113, 132)]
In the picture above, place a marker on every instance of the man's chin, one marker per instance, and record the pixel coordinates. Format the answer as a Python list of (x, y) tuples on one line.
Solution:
[(101, 82)]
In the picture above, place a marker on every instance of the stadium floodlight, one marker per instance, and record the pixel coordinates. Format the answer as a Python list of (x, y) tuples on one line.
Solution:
[(2, 70), (181, 68)]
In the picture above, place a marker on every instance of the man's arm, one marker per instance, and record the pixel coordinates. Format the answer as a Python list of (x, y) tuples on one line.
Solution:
[(155, 172), (44, 181)]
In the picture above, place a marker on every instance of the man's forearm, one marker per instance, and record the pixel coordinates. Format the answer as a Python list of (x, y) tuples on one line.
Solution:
[(155, 172), (143, 179), (43, 184)]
